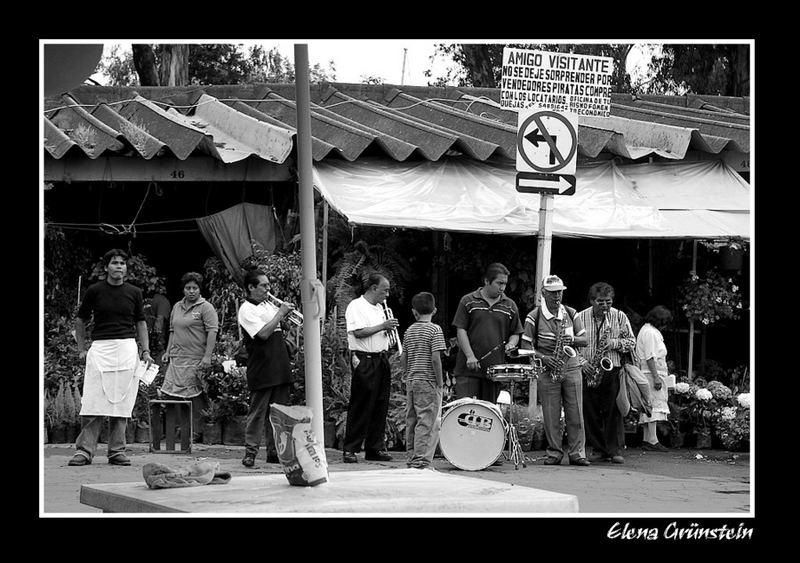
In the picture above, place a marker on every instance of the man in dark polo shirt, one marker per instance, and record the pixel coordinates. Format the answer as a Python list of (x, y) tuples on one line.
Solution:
[(487, 326)]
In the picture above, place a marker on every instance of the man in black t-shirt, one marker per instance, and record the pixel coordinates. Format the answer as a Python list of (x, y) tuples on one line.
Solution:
[(109, 384)]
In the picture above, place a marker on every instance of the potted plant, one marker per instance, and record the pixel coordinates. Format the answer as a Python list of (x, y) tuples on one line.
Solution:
[(679, 401), (732, 424), (212, 423), (730, 250), (138, 429), (65, 424), (49, 416), (225, 385), (711, 298), (701, 412)]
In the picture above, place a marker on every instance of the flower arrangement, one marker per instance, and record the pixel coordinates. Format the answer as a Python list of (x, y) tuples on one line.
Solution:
[(719, 391), (732, 243), (227, 390), (682, 388), (711, 298), (711, 408), (732, 427), (702, 409)]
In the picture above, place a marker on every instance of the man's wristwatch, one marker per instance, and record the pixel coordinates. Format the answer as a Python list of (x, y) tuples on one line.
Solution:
[(145, 352)]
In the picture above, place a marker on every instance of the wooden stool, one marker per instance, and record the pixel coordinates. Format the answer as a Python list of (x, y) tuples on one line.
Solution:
[(179, 412)]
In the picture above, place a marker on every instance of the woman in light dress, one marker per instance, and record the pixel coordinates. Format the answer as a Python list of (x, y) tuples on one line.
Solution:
[(651, 355)]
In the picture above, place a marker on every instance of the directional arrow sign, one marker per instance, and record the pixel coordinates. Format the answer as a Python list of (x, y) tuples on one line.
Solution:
[(534, 182), (547, 141)]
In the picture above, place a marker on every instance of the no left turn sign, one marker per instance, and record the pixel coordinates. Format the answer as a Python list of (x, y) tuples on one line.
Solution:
[(547, 141)]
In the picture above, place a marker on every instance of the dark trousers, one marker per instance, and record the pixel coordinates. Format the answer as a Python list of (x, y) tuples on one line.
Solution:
[(199, 402), (91, 426), (605, 430), (480, 388), (369, 404), (258, 417)]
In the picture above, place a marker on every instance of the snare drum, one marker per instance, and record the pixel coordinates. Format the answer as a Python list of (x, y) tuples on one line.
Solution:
[(472, 434), (511, 372)]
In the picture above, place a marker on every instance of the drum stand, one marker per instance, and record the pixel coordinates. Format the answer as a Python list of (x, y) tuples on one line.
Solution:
[(515, 452)]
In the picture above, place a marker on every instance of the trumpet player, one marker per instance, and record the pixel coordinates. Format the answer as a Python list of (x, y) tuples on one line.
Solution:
[(552, 329), (609, 336), (368, 341), (269, 374)]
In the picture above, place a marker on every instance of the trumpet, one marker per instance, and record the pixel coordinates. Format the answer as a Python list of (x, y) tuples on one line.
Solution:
[(294, 316), (394, 336)]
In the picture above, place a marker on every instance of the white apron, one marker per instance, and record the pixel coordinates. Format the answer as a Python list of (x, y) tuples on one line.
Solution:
[(109, 384)]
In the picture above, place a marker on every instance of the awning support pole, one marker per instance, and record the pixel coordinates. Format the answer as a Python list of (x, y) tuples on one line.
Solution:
[(691, 321), (325, 211), (650, 267), (312, 291), (544, 240)]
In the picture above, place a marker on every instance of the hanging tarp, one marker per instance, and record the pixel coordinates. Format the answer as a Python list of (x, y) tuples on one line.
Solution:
[(673, 200), (230, 233)]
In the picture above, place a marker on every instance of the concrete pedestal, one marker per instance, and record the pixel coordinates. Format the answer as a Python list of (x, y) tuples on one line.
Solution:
[(385, 491)]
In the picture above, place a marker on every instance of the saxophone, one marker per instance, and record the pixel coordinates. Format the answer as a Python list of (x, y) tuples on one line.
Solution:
[(601, 361), (562, 351)]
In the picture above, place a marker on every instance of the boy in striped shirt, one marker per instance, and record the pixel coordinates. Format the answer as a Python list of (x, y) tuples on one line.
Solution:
[(423, 342)]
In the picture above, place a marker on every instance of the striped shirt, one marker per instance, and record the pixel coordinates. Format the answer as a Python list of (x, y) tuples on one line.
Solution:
[(543, 338), (621, 337), (420, 341)]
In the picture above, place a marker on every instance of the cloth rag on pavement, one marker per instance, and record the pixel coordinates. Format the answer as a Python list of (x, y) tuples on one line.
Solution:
[(634, 391), (160, 476)]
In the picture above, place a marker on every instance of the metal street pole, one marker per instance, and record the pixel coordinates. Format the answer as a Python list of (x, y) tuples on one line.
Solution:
[(311, 289), (544, 239)]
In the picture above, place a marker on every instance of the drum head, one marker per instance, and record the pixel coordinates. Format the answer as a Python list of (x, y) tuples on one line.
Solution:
[(472, 435)]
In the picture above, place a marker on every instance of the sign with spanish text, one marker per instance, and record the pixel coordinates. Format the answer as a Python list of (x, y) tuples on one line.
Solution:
[(562, 82)]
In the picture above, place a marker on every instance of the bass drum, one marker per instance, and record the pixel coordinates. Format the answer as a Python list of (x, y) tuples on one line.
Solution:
[(472, 434)]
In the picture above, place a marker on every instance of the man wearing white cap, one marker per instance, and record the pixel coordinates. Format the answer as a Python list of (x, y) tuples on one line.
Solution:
[(551, 330)]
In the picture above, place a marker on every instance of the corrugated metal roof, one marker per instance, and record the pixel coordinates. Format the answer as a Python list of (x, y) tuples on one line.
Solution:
[(348, 121)]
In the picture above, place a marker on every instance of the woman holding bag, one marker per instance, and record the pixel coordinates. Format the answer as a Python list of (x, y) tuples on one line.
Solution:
[(651, 355)]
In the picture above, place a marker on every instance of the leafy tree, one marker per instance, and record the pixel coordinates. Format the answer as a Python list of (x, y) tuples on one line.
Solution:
[(144, 61), (173, 67), (217, 64), (66, 258), (203, 64), (369, 79), (118, 66), (722, 70)]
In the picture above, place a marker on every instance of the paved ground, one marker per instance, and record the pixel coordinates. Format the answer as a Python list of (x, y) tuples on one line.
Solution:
[(682, 481)]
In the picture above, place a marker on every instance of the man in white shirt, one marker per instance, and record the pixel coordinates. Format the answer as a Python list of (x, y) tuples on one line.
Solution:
[(269, 373), (368, 342)]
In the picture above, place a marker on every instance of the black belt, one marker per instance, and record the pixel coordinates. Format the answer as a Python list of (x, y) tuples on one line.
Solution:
[(361, 354)]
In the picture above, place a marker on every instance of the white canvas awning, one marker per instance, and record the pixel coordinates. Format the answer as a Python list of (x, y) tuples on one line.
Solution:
[(700, 199)]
